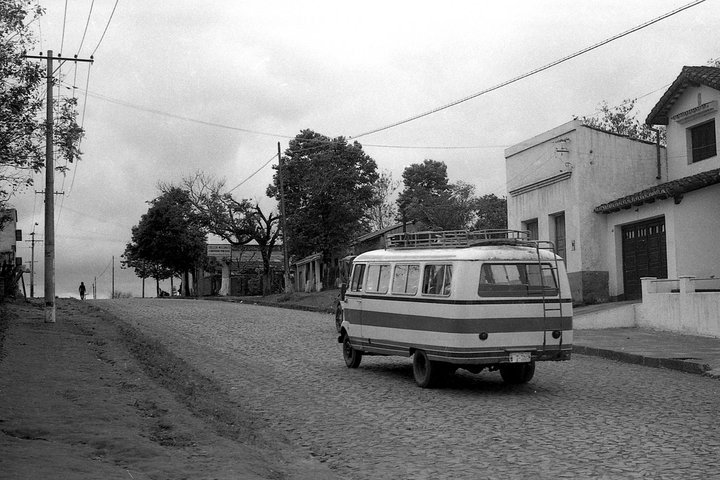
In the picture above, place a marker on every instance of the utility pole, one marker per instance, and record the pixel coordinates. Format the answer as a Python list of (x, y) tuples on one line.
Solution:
[(112, 292), (50, 188), (32, 263), (286, 260)]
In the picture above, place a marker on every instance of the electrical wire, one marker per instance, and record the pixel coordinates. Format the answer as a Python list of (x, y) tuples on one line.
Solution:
[(254, 173), (86, 27), (62, 38), (106, 28), (532, 72)]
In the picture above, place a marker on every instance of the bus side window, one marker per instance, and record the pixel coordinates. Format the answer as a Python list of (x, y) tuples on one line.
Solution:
[(378, 279), (437, 279), (406, 279), (358, 274)]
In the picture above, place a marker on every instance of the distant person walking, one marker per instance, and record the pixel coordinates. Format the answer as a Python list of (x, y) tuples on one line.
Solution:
[(81, 289)]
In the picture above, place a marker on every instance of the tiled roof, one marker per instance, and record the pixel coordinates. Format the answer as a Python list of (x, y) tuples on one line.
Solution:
[(673, 189), (709, 76)]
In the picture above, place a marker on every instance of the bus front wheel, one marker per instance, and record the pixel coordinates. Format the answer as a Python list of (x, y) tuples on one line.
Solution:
[(517, 373), (352, 357)]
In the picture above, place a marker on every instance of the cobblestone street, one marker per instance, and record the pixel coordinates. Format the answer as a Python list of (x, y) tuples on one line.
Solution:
[(588, 417)]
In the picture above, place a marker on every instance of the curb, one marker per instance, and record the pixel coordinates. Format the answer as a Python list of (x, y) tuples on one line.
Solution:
[(634, 358)]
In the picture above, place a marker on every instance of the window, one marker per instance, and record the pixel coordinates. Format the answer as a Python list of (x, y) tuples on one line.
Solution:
[(437, 280), (378, 279), (702, 141), (558, 222), (516, 280), (532, 227), (357, 277), (406, 279)]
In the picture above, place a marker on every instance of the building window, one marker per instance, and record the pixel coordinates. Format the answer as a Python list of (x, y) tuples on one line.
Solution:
[(532, 227), (702, 141), (558, 238)]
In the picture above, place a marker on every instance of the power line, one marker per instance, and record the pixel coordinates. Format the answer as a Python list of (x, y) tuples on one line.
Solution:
[(106, 28), (86, 26), (532, 72), (254, 173), (62, 38)]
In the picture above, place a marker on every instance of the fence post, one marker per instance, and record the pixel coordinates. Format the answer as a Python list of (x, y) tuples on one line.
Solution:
[(647, 287), (687, 285)]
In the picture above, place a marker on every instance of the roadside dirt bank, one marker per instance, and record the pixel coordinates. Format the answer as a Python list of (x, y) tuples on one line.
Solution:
[(88, 397)]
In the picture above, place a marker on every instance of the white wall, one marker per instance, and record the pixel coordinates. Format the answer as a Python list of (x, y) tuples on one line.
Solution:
[(678, 161)]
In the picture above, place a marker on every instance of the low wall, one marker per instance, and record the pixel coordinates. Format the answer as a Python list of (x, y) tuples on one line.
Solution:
[(685, 309), (605, 316)]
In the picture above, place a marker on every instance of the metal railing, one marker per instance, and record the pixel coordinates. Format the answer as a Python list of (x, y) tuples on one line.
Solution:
[(457, 238)]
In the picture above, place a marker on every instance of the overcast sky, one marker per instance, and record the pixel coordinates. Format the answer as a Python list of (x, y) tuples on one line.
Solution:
[(185, 85)]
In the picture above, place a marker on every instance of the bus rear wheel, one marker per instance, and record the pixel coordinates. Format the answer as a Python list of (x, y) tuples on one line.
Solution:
[(517, 373), (352, 357), (427, 373)]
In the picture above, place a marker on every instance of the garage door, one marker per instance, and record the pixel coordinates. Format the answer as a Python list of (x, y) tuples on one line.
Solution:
[(644, 254)]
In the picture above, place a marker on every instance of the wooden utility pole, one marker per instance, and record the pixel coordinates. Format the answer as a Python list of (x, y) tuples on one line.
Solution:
[(286, 260), (50, 188)]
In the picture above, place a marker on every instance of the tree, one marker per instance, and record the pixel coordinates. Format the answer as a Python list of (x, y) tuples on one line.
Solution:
[(620, 120), (328, 185), (431, 200), (383, 212), (491, 213), (168, 238), (22, 130), (236, 221)]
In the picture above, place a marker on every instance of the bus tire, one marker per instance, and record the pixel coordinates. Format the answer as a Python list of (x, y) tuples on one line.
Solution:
[(517, 373), (338, 318), (426, 372), (352, 356)]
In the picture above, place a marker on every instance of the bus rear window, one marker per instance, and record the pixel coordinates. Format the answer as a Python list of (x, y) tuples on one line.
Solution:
[(516, 280)]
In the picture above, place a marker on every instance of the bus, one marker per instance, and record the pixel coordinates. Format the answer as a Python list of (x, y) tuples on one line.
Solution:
[(490, 299)]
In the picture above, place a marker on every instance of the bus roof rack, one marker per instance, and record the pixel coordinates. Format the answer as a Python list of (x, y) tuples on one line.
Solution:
[(458, 238)]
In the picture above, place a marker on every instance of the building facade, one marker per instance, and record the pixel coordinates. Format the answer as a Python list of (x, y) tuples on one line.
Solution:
[(620, 209)]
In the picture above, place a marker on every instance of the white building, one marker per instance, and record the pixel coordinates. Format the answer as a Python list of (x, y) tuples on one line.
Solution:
[(620, 209)]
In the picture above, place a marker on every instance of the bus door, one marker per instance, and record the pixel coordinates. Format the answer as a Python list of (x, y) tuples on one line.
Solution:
[(353, 300)]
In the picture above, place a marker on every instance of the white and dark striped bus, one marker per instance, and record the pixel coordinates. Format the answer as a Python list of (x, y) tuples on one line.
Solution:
[(459, 299)]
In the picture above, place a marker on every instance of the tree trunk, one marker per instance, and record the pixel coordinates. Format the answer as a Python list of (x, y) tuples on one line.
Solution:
[(225, 285)]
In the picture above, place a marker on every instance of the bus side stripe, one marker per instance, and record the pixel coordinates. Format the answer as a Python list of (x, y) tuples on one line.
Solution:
[(465, 325)]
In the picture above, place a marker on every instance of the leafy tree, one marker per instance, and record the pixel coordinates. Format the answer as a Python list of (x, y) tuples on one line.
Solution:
[(22, 130), (168, 238), (383, 212), (328, 186), (432, 201), (236, 221), (491, 213), (621, 120)]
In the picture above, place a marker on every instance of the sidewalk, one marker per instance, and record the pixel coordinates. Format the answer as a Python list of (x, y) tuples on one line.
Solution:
[(652, 348)]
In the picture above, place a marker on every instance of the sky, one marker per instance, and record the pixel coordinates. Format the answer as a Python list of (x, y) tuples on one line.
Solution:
[(183, 86)]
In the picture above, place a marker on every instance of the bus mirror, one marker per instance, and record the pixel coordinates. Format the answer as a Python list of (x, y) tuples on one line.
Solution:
[(343, 289)]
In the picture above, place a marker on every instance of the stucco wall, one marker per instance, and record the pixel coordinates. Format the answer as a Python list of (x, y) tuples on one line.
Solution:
[(678, 161), (596, 167), (697, 233), (692, 314)]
